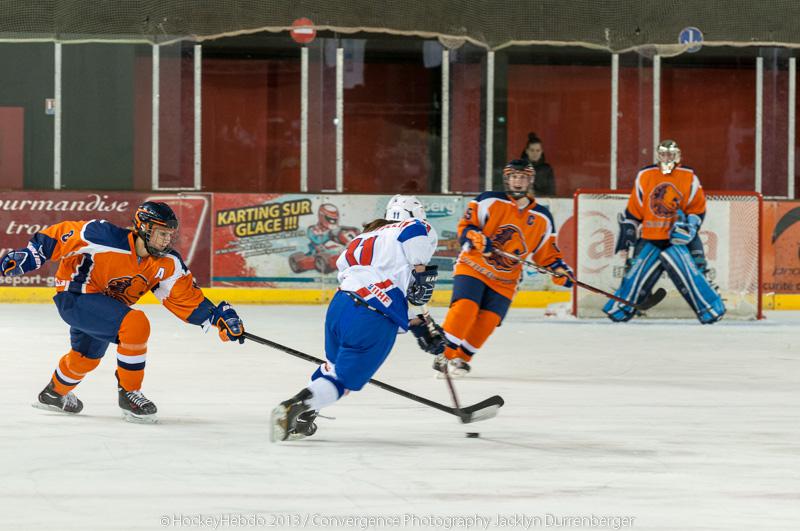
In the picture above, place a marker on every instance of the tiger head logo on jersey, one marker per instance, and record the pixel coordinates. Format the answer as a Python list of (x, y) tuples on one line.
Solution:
[(127, 290), (665, 200), (508, 239)]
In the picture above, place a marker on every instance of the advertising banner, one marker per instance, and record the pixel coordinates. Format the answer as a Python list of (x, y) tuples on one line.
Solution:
[(293, 240), (781, 247), (22, 214)]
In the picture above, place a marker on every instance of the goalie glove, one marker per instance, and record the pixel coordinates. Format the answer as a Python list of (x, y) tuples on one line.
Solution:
[(430, 336), (628, 233), (422, 282), (684, 229)]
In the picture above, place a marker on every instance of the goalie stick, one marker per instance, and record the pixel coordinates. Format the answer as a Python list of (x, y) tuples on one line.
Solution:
[(483, 410), (654, 298)]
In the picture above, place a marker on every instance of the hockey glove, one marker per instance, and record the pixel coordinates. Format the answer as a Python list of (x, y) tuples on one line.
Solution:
[(684, 229), (478, 240), (567, 275), (13, 263), (628, 233), (228, 322), (422, 282), (430, 336)]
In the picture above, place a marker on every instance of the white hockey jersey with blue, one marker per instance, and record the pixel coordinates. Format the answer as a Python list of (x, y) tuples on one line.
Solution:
[(377, 265)]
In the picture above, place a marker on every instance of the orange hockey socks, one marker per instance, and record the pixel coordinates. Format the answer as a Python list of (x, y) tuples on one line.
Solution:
[(457, 325), (131, 351), (72, 367), (484, 326)]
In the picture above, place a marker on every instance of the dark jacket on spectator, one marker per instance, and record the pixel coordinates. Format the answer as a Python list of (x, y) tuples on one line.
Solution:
[(544, 184)]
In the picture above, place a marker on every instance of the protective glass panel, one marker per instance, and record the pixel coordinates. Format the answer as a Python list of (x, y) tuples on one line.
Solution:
[(708, 105), (392, 115), (27, 116), (99, 122), (467, 118), (559, 99)]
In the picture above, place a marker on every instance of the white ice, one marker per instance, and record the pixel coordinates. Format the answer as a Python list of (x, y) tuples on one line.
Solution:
[(676, 425)]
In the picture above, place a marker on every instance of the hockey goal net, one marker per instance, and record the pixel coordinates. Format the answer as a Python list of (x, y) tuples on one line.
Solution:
[(731, 236)]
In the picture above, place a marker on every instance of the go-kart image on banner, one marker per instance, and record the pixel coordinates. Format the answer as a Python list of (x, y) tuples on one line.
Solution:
[(293, 240)]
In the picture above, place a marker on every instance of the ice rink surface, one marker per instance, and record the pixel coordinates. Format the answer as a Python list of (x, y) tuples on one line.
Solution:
[(675, 425)]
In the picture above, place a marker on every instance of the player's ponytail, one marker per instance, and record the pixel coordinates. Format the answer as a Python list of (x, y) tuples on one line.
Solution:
[(376, 224)]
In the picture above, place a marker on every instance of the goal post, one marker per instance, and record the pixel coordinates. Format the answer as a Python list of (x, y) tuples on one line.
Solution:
[(731, 234)]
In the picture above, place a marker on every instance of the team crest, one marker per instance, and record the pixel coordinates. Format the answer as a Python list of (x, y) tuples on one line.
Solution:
[(508, 238), (665, 200), (127, 290)]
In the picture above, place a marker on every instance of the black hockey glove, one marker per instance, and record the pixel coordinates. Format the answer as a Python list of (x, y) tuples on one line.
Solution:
[(628, 233), (422, 282), (430, 336)]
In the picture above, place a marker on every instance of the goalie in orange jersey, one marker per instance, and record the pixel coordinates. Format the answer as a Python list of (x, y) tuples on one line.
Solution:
[(104, 270), (484, 283), (661, 226)]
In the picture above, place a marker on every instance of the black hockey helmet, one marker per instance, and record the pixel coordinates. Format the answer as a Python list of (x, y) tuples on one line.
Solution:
[(518, 166), (152, 214)]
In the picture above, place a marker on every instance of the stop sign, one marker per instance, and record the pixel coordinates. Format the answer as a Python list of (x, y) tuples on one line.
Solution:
[(303, 30)]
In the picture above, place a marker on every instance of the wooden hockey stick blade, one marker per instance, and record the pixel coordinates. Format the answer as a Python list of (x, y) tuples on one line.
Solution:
[(482, 410), (652, 300)]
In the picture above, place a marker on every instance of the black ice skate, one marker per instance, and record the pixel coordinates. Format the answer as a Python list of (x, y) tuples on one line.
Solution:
[(293, 419), (49, 399), (136, 407)]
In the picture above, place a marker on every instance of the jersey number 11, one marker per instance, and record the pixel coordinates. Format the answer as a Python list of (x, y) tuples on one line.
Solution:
[(365, 257)]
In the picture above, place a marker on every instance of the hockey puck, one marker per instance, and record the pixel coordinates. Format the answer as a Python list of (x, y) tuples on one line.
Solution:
[(473, 434)]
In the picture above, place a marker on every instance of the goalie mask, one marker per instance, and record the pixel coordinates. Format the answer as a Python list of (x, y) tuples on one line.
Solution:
[(518, 176), (668, 155), (403, 207), (156, 224)]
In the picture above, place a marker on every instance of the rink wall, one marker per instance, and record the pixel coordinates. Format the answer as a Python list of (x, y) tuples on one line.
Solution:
[(281, 248)]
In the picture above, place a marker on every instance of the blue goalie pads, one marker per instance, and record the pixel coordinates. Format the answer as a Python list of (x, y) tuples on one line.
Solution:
[(692, 284), (645, 270)]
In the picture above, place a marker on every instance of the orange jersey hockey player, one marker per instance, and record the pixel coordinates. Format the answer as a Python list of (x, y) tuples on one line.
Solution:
[(104, 270), (661, 227), (484, 283)]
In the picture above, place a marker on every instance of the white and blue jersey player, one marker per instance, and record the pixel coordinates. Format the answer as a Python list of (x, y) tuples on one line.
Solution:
[(382, 270)]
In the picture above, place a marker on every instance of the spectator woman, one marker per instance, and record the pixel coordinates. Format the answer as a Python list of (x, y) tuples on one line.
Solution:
[(544, 184)]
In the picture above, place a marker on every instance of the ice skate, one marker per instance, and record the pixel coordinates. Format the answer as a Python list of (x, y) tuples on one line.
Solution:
[(456, 367), (439, 364), (293, 419), (135, 406), (50, 400)]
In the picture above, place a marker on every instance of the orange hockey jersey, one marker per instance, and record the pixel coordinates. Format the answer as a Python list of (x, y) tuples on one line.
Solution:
[(99, 257), (529, 231), (656, 199)]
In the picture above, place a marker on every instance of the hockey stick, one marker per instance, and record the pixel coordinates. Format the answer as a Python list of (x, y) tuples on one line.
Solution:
[(483, 410), (426, 316), (646, 304)]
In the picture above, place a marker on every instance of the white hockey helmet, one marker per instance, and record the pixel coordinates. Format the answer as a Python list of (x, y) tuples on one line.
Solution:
[(403, 207), (668, 155)]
